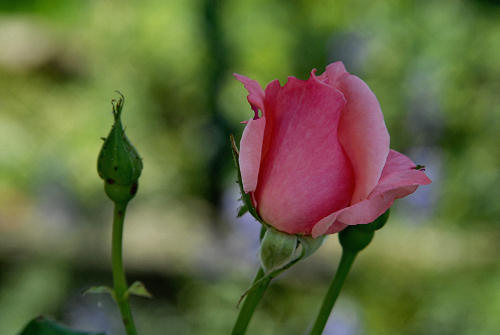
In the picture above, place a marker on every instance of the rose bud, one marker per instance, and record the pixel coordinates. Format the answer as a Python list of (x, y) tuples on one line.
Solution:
[(119, 164), (317, 158), (276, 250)]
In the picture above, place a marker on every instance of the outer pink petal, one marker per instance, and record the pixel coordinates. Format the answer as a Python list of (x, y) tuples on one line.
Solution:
[(368, 210), (398, 170), (255, 93), (328, 225), (333, 73), (399, 179), (304, 172), (250, 153), (363, 134)]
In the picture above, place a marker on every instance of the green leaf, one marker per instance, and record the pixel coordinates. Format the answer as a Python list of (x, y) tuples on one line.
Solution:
[(139, 289), (100, 290), (43, 326)]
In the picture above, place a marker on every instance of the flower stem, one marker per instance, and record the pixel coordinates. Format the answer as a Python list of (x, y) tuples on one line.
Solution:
[(119, 280), (331, 296), (250, 303)]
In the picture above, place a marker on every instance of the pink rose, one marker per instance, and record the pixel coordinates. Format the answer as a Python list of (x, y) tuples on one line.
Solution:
[(317, 158)]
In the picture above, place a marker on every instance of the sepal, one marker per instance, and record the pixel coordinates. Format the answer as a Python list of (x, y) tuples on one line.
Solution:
[(242, 211), (139, 289), (305, 247), (310, 245), (245, 197)]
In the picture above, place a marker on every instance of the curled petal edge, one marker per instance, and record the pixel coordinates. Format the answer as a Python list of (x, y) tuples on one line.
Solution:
[(394, 184), (255, 93)]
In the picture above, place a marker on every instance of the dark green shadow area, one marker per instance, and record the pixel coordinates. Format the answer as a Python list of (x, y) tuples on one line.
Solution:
[(43, 326)]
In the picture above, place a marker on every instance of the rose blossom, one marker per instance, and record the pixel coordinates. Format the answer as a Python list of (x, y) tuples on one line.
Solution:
[(318, 157)]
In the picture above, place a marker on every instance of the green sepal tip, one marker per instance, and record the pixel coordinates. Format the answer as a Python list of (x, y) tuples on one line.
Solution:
[(139, 289), (242, 211), (245, 197), (310, 245)]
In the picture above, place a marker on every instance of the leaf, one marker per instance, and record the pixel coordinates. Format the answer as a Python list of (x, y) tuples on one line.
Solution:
[(43, 326), (100, 290), (139, 289)]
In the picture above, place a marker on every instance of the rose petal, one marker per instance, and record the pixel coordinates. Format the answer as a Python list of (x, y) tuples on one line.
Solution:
[(363, 134), (333, 73), (255, 93), (368, 210), (250, 153), (305, 173), (399, 179), (336, 227), (326, 224)]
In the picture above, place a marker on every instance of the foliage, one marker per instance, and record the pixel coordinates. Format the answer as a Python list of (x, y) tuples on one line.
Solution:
[(42, 326)]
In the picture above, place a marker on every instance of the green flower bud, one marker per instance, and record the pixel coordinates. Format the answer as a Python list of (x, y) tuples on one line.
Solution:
[(120, 193), (119, 164), (381, 220), (356, 238), (277, 249)]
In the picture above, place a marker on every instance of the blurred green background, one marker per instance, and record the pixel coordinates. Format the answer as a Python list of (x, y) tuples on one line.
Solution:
[(434, 65)]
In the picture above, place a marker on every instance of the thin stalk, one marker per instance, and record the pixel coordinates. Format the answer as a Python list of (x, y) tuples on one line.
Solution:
[(119, 280), (331, 296), (250, 303)]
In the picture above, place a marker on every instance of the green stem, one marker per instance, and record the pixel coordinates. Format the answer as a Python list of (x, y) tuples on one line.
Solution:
[(250, 303), (333, 291), (119, 280)]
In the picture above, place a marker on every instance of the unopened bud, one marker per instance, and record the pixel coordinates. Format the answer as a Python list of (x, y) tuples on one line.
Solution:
[(356, 238), (277, 249), (381, 220), (119, 164)]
